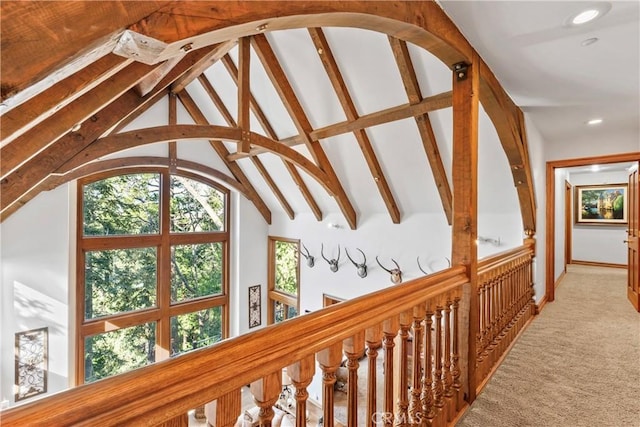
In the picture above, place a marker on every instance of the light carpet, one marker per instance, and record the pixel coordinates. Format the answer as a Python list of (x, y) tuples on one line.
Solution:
[(577, 364)]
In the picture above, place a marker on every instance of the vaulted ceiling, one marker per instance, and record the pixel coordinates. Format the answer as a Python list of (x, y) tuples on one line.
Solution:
[(300, 106)]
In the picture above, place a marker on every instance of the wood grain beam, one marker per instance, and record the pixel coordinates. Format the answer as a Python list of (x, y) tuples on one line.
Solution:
[(256, 162), (400, 112), (340, 87), (33, 43), (429, 142), (20, 119), (464, 228), (23, 179), (149, 82), (38, 138), (244, 92), (266, 126), (221, 150), (290, 100), (214, 56)]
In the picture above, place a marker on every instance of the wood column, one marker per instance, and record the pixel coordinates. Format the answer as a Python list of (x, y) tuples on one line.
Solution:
[(265, 392), (426, 398), (329, 360), (301, 374), (466, 78), (415, 405), (389, 331), (373, 339), (354, 348), (402, 364)]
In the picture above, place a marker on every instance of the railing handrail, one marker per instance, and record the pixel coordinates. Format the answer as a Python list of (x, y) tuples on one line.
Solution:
[(153, 394), (490, 262)]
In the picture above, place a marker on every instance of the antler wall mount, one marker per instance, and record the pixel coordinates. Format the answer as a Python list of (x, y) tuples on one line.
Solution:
[(333, 263), (310, 259), (361, 268), (396, 273)]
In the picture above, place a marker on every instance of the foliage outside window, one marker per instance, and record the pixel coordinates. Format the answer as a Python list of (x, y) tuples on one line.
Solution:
[(152, 285), (284, 274)]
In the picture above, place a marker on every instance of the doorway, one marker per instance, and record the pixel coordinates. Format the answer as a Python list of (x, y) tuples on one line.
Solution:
[(550, 243)]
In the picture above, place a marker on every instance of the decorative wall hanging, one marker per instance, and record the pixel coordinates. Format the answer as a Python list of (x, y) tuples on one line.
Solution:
[(601, 204), (311, 260), (31, 356), (255, 306), (333, 263), (361, 268), (396, 273)]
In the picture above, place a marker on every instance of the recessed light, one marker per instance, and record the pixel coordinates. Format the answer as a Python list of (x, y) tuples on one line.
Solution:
[(595, 168), (586, 16), (588, 42), (594, 122), (595, 11)]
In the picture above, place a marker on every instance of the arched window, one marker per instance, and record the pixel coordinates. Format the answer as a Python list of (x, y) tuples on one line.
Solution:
[(152, 262)]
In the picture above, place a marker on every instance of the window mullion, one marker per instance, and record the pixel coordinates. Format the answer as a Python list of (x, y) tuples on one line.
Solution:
[(163, 339)]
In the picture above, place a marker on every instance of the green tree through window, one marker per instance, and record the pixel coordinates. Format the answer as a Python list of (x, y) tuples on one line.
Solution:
[(147, 293)]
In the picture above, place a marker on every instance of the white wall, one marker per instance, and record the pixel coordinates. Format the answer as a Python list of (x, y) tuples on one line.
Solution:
[(538, 171), (598, 243), (35, 283), (601, 143), (558, 267)]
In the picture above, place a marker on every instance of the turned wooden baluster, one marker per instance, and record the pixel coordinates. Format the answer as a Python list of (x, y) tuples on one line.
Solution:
[(373, 338), (415, 406), (353, 348), (426, 398), (455, 357), (265, 393), (301, 374), (447, 379), (224, 411), (329, 360), (406, 319), (389, 330), (438, 384)]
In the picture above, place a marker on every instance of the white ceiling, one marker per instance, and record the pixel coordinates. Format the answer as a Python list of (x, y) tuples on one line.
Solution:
[(541, 63)]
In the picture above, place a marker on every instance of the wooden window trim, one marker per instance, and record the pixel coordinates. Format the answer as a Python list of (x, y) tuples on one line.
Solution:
[(272, 294), (164, 309)]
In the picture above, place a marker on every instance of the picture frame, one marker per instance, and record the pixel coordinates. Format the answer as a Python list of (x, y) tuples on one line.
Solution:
[(604, 204), (31, 363), (255, 306)]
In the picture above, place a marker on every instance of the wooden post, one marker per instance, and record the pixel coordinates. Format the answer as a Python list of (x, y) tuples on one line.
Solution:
[(301, 374), (374, 342), (455, 356), (426, 398), (466, 78), (353, 347), (265, 392), (389, 330), (415, 406), (329, 360), (406, 319)]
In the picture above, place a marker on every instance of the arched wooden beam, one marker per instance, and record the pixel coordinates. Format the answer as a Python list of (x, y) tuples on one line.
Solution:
[(422, 23), (136, 138)]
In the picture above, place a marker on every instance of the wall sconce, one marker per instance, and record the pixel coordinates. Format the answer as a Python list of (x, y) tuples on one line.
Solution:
[(333, 225), (494, 242)]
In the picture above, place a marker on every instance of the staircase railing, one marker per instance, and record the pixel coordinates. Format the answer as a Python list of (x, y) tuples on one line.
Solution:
[(506, 304), (416, 326)]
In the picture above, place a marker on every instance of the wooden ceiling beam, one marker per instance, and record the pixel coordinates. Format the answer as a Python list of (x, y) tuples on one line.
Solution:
[(218, 146), (25, 116), (266, 126), (244, 93), (49, 160), (38, 138), (214, 56), (224, 111), (147, 84), (428, 137), (340, 87), (400, 112), (290, 100)]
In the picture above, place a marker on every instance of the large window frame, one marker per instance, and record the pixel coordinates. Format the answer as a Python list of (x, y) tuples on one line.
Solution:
[(275, 296), (164, 310)]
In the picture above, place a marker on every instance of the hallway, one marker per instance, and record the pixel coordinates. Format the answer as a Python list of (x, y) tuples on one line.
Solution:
[(577, 364)]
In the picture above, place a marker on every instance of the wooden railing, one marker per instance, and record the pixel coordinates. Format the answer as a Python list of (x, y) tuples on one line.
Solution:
[(506, 304), (416, 326)]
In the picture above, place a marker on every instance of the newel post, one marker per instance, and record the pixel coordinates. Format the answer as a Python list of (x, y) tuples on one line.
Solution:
[(466, 86)]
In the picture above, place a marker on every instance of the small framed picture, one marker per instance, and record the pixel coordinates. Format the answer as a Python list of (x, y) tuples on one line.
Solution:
[(255, 306), (31, 356)]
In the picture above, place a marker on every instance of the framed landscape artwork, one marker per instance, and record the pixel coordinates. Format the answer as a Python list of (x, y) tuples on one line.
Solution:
[(601, 204)]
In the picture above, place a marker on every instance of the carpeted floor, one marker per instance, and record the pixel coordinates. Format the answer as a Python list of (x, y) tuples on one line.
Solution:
[(577, 364)]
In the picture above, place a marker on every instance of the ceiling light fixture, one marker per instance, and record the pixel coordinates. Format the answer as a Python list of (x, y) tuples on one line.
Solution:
[(588, 42), (595, 168), (594, 11), (594, 122)]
